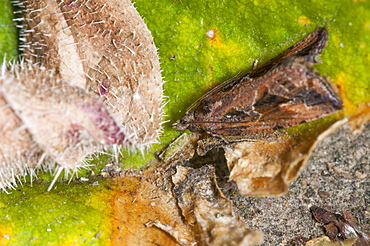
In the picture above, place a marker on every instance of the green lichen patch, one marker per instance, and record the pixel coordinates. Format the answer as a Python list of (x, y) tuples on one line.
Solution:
[(70, 214)]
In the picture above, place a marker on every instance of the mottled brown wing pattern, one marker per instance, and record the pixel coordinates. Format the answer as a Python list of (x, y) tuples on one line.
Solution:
[(310, 47), (284, 92), (297, 95)]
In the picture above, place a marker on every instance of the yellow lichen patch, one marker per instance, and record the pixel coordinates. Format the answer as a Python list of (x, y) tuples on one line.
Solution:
[(225, 48), (5, 235), (214, 37), (303, 20), (348, 107)]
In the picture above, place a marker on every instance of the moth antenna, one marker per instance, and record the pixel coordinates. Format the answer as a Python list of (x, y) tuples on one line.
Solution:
[(59, 171)]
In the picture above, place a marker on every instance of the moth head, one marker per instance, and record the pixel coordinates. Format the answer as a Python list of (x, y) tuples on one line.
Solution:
[(186, 123)]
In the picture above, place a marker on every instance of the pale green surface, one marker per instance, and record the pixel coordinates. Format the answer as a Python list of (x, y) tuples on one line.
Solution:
[(76, 214), (192, 64), (8, 32)]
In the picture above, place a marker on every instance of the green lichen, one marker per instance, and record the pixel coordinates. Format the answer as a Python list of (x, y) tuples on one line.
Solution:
[(70, 214), (8, 32)]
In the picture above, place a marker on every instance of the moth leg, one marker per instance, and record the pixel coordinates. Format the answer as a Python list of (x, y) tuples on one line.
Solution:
[(205, 145)]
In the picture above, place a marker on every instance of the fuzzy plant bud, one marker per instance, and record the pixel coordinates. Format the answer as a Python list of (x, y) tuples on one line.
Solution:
[(103, 47), (89, 79)]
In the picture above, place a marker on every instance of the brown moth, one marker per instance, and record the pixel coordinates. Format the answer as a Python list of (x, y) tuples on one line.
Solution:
[(285, 91)]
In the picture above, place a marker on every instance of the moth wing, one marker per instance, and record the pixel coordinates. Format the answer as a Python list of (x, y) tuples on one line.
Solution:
[(295, 94), (309, 48)]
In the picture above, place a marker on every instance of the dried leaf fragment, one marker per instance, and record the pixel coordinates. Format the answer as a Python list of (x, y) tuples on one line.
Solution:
[(208, 210), (266, 167)]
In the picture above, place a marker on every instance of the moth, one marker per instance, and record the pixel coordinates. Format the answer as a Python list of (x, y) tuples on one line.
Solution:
[(284, 92)]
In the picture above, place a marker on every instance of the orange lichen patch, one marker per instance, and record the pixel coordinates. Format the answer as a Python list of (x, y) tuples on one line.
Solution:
[(214, 37), (303, 20), (135, 202), (360, 118)]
